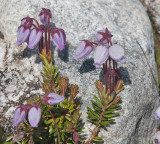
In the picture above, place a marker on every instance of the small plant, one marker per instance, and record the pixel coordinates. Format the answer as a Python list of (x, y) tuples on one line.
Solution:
[(104, 106), (55, 116)]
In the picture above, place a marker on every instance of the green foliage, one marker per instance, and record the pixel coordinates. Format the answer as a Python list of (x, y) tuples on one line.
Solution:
[(150, 142), (66, 114), (63, 119), (4, 141), (50, 76), (104, 110)]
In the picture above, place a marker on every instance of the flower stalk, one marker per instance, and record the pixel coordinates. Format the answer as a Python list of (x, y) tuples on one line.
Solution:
[(48, 35), (105, 74), (35, 21), (59, 142), (110, 74), (113, 75), (46, 43)]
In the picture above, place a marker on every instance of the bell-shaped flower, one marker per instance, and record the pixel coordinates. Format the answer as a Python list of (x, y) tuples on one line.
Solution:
[(34, 115), (103, 36), (45, 14), (23, 34), (116, 52), (84, 49), (35, 37), (19, 115), (53, 99), (59, 38), (27, 21), (156, 138), (100, 55), (157, 114)]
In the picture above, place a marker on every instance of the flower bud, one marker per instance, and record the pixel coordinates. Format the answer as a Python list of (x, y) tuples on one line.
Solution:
[(22, 34), (100, 55), (53, 99), (59, 38), (34, 115), (19, 115), (156, 138), (84, 49), (157, 114), (45, 14), (35, 37)]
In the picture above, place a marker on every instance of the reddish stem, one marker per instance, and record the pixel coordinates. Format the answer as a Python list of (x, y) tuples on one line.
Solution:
[(48, 34), (46, 40), (34, 25), (97, 128), (105, 74), (59, 142), (39, 46), (40, 102), (110, 74), (113, 75), (35, 21), (42, 43)]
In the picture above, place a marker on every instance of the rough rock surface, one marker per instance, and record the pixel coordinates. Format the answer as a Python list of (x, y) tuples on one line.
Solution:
[(128, 22), (153, 7)]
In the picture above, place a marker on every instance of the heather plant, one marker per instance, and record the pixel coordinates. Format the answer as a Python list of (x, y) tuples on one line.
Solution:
[(55, 117), (105, 105)]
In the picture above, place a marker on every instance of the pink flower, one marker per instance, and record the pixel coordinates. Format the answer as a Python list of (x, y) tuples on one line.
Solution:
[(23, 34), (116, 52), (156, 138), (34, 116), (53, 99), (59, 37), (157, 114), (19, 115), (45, 14), (103, 36), (84, 49), (34, 38), (27, 21), (102, 53)]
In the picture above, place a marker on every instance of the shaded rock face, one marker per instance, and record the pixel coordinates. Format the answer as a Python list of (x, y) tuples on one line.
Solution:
[(127, 21), (153, 7)]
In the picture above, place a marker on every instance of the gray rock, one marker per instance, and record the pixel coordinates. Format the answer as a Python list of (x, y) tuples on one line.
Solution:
[(153, 7), (127, 21), (3, 52)]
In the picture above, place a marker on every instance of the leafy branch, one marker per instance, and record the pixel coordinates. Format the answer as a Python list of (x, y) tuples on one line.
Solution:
[(104, 109)]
